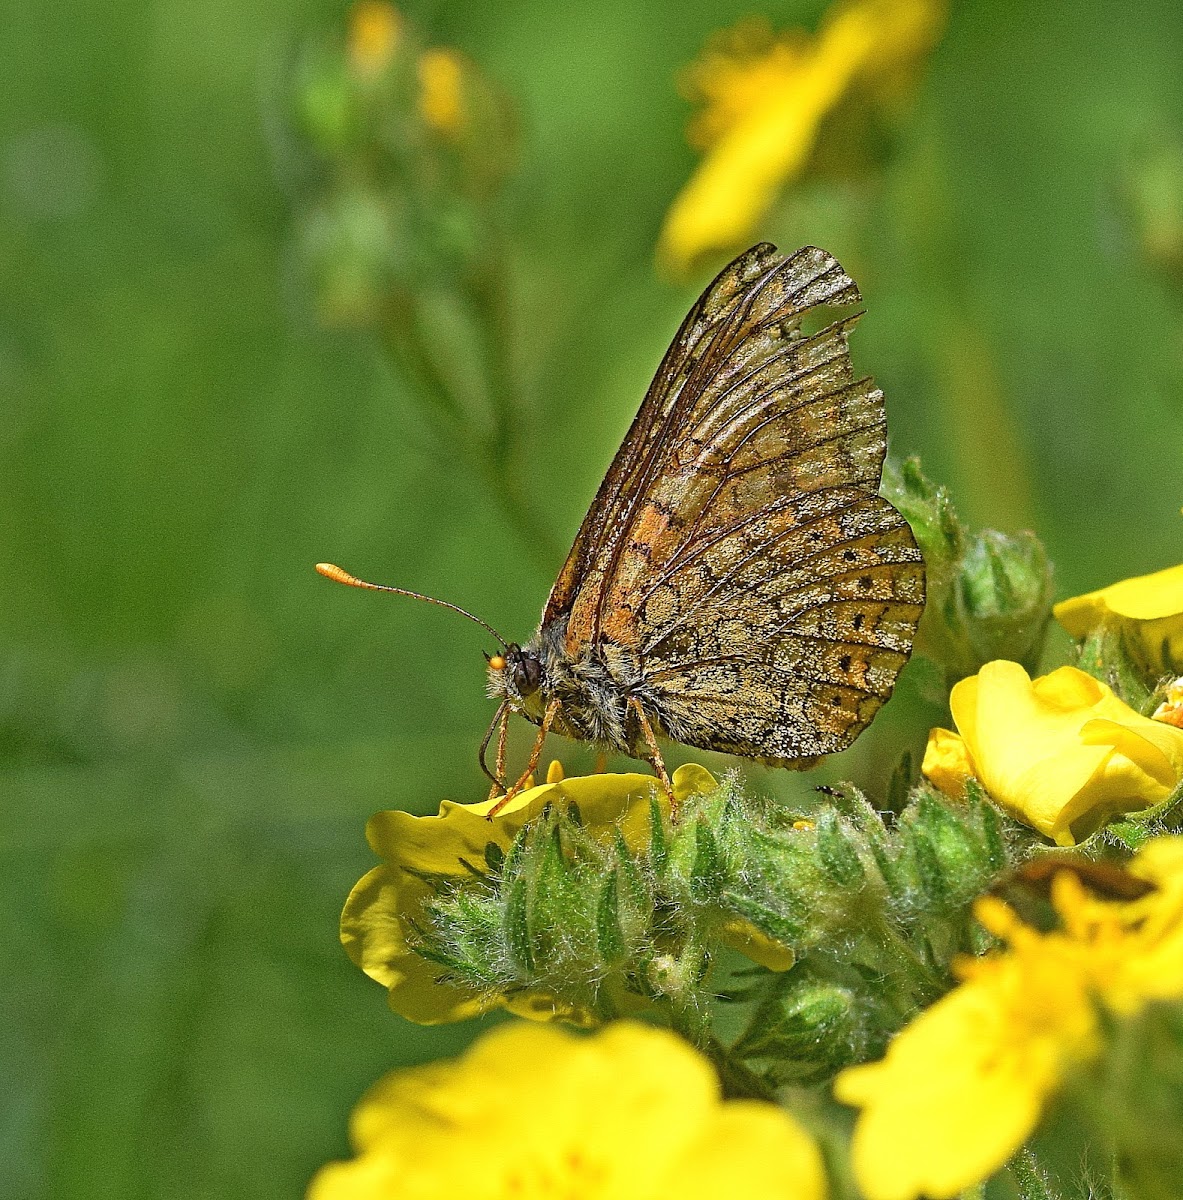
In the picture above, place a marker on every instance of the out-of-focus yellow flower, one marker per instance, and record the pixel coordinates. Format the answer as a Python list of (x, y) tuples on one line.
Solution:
[(381, 915), (1061, 753), (1148, 609), (441, 91), (964, 1085), (1171, 709), (375, 28), (764, 98), (632, 1113)]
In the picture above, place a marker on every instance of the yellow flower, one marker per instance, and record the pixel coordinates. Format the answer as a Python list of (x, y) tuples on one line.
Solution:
[(1061, 753), (1148, 609), (375, 28), (764, 98), (964, 1085), (441, 91), (632, 1113), (383, 910)]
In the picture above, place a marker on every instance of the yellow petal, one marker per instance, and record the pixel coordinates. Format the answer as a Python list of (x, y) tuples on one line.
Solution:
[(1062, 753), (375, 29), (749, 1149), (749, 941), (947, 763), (441, 91), (765, 107), (1143, 598), (1024, 741), (1149, 608)]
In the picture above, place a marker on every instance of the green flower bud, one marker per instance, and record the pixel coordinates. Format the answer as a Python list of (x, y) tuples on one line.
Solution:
[(1106, 655), (1152, 194), (778, 924), (349, 249), (1004, 591), (995, 857), (989, 594), (809, 1027), (957, 852), (839, 859), (710, 869), (325, 108), (1031, 1179), (658, 844), (929, 511), (609, 935), (517, 925)]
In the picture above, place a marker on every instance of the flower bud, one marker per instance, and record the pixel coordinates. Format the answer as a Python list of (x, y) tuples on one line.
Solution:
[(810, 1025), (950, 855), (350, 253), (609, 936), (1005, 594), (839, 859), (989, 594), (927, 508), (1152, 194)]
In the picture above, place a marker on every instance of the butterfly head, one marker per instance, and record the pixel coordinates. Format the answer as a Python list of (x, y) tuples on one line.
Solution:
[(515, 675)]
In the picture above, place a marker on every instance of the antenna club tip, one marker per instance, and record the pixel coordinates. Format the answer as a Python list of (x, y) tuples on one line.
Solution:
[(336, 574)]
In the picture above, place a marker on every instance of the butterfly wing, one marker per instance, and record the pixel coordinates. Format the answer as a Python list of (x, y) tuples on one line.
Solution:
[(738, 547)]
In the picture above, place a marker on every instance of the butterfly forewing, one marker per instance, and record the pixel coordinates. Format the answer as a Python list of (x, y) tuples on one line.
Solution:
[(738, 546), (619, 491)]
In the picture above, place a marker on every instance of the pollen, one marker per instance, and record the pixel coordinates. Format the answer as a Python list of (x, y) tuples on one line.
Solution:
[(497, 662)]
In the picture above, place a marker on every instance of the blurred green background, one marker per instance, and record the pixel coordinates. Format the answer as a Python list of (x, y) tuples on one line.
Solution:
[(194, 727)]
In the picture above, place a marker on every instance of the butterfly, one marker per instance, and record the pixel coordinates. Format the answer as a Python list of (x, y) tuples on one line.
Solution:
[(738, 584)]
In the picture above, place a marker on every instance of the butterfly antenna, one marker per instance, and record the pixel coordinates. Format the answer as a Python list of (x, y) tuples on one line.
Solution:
[(339, 575)]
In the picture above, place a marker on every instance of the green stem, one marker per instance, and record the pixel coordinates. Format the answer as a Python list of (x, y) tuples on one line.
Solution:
[(490, 296), (916, 982), (739, 1081), (480, 454)]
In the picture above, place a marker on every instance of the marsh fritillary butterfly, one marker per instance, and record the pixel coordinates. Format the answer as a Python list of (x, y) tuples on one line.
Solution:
[(738, 583)]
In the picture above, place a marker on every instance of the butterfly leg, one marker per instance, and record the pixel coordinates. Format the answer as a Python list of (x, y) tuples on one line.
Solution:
[(654, 750), (498, 775), (535, 754)]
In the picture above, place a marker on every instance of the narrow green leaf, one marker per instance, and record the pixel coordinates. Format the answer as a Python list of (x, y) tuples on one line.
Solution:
[(609, 935)]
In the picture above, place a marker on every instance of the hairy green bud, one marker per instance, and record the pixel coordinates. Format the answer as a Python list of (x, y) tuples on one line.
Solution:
[(989, 594), (839, 859)]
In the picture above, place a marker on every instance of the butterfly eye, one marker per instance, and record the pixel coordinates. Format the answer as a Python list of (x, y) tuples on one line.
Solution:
[(497, 662), (527, 675)]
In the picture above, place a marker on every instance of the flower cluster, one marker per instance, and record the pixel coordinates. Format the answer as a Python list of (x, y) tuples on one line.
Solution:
[(843, 947)]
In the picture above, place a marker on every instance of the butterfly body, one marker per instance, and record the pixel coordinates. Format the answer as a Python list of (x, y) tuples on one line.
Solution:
[(593, 690), (738, 584), (594, 693)]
